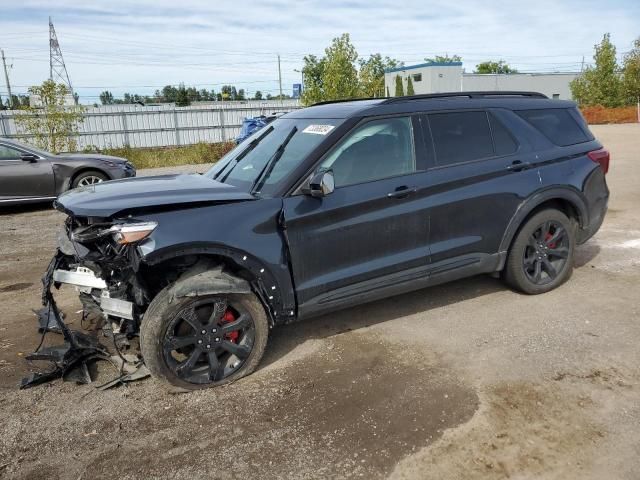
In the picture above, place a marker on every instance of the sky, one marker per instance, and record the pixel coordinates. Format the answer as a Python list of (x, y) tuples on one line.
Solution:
[(140, 46)]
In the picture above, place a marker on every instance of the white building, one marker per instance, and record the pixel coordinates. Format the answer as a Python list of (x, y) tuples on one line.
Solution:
[(450, 77)]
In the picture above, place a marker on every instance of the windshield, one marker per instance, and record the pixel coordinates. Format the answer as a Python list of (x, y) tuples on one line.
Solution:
[(258, 154)]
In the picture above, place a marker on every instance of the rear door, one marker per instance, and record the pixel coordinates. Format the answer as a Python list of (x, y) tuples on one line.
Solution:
[(374, 225), (479, 176), (22, 179)]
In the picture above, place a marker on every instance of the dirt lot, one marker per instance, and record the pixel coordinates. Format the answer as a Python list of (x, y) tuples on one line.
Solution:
[(462, 381)]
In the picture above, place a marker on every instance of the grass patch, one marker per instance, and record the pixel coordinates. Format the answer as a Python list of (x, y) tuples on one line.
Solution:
[(172, 156)]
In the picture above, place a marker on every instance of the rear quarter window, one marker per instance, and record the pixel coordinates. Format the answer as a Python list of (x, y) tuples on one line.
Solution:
[(557, 124)]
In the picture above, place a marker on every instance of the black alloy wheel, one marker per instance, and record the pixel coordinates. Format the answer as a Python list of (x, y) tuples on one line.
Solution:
[(208, 340), (541, 255), (546, 253)]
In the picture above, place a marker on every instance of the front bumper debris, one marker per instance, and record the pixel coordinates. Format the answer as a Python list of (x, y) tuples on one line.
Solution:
[(71, 360)]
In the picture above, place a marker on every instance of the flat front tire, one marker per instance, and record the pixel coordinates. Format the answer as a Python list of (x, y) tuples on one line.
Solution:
[(541, 256), (203, 341)]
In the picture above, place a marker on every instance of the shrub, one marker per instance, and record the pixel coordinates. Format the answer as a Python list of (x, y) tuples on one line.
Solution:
[(599, 114)]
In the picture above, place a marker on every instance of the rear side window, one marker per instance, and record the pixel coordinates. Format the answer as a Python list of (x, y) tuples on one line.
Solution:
[(504, 142), (557, 124), (460, 137)]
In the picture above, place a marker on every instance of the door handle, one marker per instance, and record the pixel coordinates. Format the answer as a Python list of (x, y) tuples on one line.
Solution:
[(518, 166), (402, 192)]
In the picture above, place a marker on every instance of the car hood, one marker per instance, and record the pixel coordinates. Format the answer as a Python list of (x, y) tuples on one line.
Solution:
[(89, 156), (110, 198)]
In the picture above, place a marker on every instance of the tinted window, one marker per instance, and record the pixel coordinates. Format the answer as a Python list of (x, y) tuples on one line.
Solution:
[(557, 124), (502, 139), (460, 137), (378, 149), (7, 153)]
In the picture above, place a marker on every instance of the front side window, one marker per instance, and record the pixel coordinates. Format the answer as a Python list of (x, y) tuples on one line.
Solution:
[(8, 153), (375, 150), (460, 137)]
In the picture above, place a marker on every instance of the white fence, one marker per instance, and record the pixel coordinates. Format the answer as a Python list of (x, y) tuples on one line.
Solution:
[(161, 125)]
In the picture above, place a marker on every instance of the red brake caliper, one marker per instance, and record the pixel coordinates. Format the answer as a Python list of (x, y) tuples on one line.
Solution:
[(546, 239), (228, 317)]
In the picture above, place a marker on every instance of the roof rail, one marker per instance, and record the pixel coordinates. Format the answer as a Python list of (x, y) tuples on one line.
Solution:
[(486, 94), (328, 102)]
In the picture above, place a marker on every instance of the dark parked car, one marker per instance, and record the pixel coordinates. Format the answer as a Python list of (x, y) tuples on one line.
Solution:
[(329, 207), (29, 175)]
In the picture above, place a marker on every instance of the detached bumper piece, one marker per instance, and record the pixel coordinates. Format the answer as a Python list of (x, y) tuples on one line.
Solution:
[(71, 359)]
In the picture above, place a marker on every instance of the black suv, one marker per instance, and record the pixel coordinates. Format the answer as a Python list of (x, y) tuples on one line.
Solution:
[(328, 207)]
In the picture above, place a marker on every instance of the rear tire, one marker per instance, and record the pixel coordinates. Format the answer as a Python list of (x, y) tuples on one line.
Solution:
[(164, 327), (541, 256)]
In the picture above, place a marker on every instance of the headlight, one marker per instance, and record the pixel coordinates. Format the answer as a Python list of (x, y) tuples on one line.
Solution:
[(132, 232)]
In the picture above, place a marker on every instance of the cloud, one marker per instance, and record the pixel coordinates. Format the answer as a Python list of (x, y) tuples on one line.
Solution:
[(124, 45)]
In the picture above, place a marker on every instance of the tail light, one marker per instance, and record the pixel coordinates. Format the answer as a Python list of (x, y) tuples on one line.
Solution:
[(600, 156)]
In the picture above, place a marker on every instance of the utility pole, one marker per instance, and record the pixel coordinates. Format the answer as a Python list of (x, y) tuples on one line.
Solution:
[(280, 77), (6, 78)]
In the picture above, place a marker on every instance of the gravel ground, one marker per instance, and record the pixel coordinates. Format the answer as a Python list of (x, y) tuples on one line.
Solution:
[(462, 381)]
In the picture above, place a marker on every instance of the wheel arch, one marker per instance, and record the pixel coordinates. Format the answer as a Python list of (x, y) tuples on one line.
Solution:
[(568, 201), (273, 292)]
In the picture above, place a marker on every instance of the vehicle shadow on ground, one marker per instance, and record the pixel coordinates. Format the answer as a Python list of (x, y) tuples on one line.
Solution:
[(26, 208), (285, 338), (585, 253)]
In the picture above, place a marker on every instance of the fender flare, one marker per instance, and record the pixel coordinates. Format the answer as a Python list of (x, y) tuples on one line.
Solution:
[(573, 196), (275, 294)]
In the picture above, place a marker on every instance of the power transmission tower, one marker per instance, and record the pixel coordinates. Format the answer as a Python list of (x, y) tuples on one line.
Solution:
[(6, 78), (57, 68)]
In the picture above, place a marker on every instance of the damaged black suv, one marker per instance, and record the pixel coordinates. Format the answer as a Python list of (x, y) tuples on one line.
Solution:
[(328, 207)]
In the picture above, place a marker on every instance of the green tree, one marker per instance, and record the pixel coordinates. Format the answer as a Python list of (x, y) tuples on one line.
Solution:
[(371, 74), (241, 95), (494, 67), (631, 74), (340, 76), (444, 59), (410, 90), (106, 98), (313, 74), (399, 87), (600, 84), (257, 95), (54, 126)]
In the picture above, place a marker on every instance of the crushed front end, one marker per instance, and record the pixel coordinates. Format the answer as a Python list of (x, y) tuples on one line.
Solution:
[(99, 258)]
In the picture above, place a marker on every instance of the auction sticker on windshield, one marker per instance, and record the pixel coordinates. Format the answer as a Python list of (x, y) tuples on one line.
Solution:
[(318, 129)]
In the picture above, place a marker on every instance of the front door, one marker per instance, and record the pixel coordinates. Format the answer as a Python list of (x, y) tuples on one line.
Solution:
[(23, 179), (371, 230)]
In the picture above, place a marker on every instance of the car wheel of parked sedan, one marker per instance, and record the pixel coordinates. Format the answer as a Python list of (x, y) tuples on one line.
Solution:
[(204, 341), (89, 178), (541, 257)]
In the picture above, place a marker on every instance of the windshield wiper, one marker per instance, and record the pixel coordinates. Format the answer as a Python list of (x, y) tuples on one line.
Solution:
[(268, 167), (254, 143)]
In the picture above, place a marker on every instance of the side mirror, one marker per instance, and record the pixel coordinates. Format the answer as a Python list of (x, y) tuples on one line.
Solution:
[(28, 157), (320, 184)]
